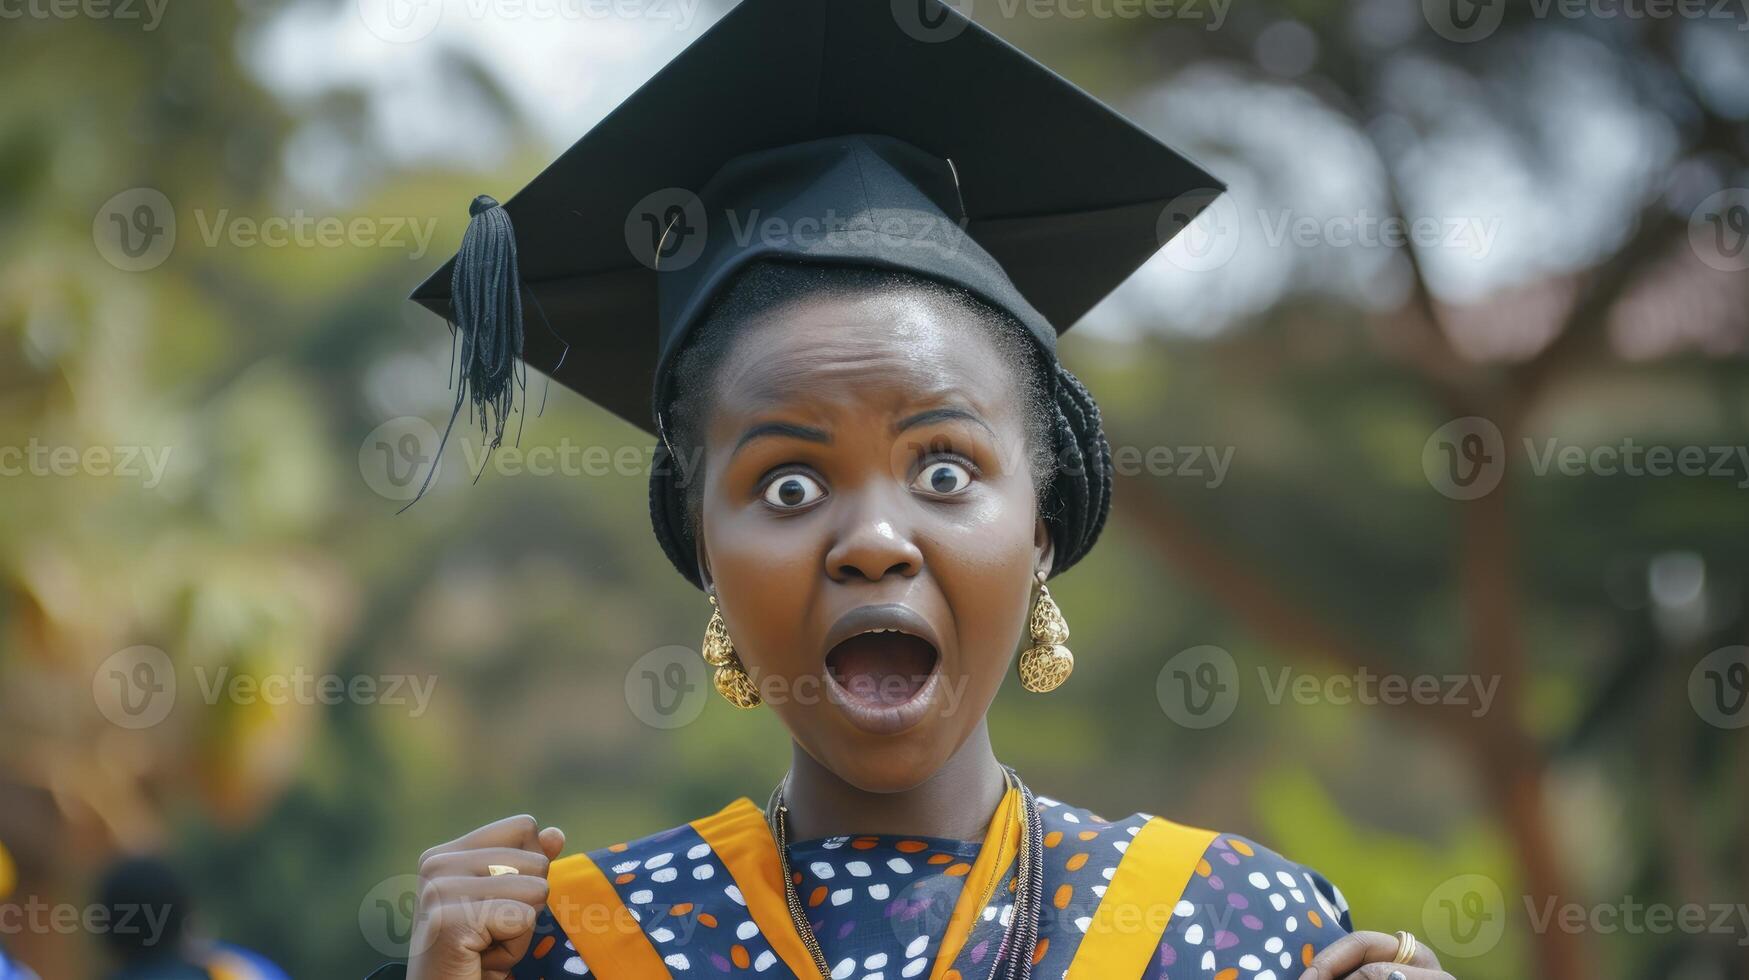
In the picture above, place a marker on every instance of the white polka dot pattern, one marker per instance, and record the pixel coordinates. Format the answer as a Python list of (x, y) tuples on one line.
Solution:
[(879, 906)]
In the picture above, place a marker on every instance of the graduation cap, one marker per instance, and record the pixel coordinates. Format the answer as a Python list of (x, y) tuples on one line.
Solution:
[(887, 133)]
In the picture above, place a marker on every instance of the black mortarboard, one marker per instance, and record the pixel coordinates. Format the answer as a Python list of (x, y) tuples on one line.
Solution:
[(892, 133)]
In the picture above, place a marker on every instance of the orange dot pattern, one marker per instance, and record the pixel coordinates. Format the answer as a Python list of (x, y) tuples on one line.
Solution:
[(1249, 914), (879, 904)]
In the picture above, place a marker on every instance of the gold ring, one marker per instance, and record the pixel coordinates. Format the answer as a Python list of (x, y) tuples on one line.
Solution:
[(1406, 947), (500, 869)]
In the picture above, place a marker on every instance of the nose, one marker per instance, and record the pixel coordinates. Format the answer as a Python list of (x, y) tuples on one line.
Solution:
[(873, 541)]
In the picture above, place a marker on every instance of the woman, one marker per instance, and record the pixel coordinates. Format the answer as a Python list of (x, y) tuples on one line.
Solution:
[(871, 461)]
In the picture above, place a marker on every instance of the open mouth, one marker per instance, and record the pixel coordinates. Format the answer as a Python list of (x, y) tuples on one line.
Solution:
[(883, 667)]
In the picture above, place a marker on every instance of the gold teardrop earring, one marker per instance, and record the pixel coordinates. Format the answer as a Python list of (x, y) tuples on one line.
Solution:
[(1046, 664), (719, 651)]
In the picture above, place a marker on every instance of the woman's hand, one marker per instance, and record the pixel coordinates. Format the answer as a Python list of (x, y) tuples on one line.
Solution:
[(1367, 956), (470, 924)]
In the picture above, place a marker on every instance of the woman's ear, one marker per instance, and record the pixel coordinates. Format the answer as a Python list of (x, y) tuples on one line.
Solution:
[(1044, 548)]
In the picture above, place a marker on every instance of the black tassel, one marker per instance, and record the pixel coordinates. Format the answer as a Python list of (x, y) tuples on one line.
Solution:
[(485, 297)]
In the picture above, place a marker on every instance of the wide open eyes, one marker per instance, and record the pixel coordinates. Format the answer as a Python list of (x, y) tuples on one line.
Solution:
[(791, 490), (940, 478), (943, 477)]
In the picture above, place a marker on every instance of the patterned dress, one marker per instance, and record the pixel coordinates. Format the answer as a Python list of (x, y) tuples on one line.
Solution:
[(879, 906)]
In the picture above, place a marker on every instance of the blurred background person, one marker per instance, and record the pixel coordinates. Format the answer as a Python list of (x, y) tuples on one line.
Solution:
[(153, 932)]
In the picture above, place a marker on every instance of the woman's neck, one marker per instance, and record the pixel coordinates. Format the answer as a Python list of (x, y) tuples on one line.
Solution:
[(956, 802)]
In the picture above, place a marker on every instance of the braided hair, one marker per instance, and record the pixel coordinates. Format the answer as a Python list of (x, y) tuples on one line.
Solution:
[(1067, 452)]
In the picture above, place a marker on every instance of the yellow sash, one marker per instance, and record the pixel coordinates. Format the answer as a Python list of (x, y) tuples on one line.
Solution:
[(1119, 942), (994, 858), (1138, 903), (587, 908)]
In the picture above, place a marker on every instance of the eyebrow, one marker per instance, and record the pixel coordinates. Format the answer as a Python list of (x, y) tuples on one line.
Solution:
[(808, 433)]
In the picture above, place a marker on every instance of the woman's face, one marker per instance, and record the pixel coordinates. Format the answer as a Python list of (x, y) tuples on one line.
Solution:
[(870, 526)]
